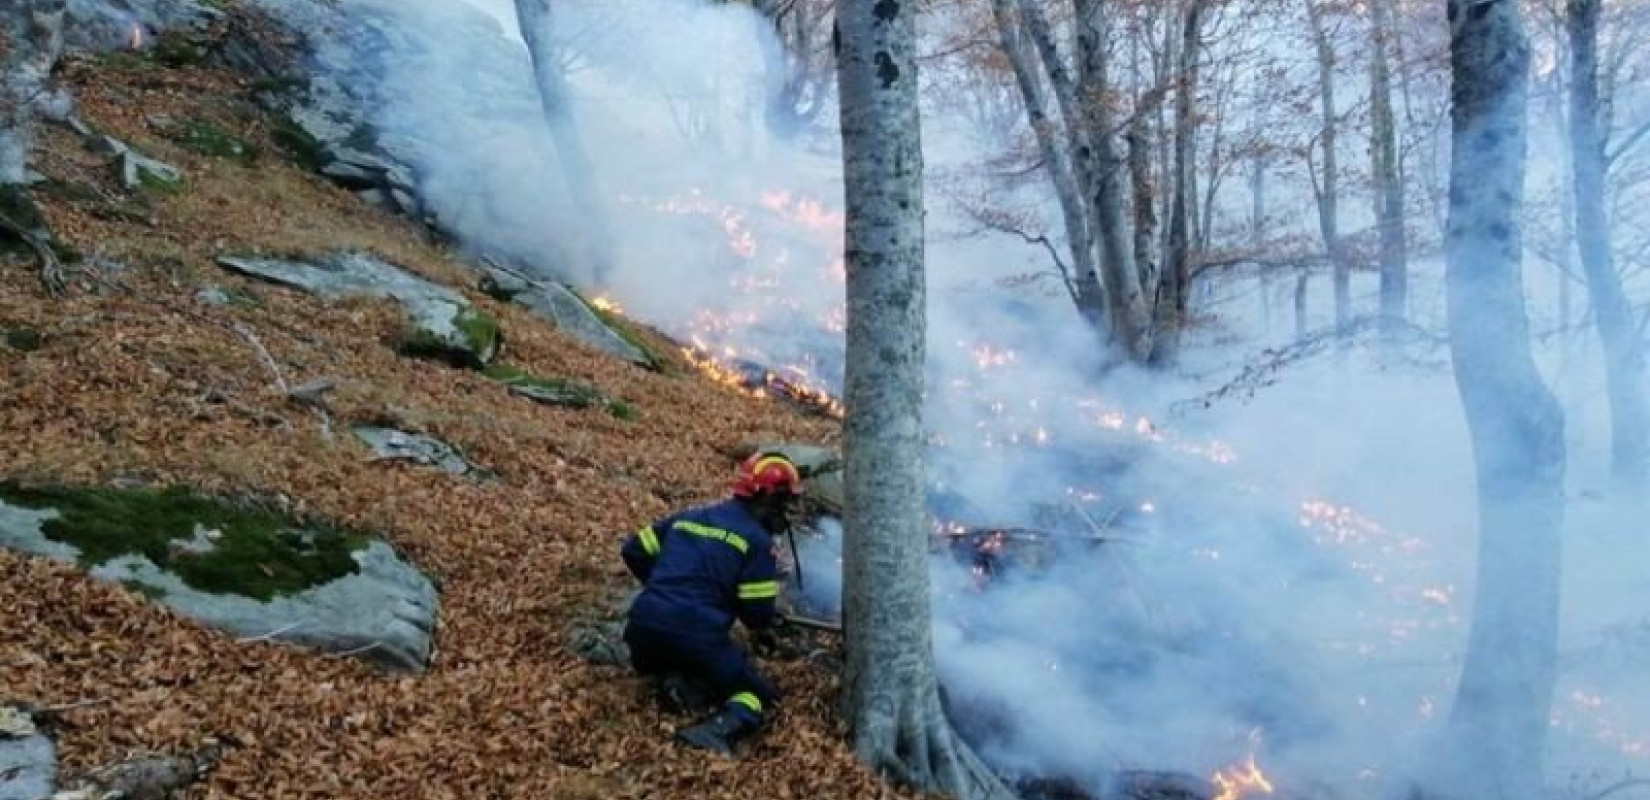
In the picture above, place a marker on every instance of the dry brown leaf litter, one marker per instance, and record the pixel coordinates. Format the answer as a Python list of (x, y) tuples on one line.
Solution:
[(122, 388)]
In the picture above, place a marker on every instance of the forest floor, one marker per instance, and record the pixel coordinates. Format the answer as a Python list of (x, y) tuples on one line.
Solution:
[(117, 382)]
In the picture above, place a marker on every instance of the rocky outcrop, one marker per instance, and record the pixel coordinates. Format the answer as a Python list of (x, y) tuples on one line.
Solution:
[(242, 569), (28, 759), (389, 444), (563, 308), (441, 323)]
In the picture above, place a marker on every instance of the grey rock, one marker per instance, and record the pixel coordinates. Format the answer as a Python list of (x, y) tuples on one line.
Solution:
[(561, 307), (212, 296), (556, 395), (377, 198), (384, 613), (439, 316), (388, 443), (136, 169), (28, 759), (350, 176)]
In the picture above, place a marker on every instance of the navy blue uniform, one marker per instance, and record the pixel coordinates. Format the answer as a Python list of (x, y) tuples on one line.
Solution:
[(702, 569)]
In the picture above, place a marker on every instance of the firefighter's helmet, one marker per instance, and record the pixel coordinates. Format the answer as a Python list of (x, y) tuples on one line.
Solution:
[(767, 472)]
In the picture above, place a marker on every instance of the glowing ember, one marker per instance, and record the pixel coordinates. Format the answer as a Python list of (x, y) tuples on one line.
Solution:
[(607, 305), (1241, 780)]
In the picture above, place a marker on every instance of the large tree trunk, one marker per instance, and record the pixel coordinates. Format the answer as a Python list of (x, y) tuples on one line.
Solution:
[(1496, 735), (1389, 182), (31, 37), (1107, 201), (1085, 286), (535, 19), (1623, 351), (1329, 197), (890, 693), (1172, 294)]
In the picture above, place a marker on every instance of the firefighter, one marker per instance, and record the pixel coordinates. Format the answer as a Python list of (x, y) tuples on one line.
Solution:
[(701, 569)]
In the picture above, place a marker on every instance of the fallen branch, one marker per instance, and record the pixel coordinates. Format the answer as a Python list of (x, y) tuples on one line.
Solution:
[(308, 394), (809, 622), (270, 635), (258, 414), (1628, 783)]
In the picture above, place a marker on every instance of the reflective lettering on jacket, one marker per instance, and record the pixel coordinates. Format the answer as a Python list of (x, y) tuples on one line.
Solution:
[(702, 568)]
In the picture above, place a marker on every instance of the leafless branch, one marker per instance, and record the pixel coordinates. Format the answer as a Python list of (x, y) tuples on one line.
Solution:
[(1627, 144), (1622, 785)]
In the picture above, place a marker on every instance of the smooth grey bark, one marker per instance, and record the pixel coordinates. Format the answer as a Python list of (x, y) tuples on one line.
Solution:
[(1388, 177), (1617, 329), (1173, 289), (1496, 734), (1098, 170), (536, 19), (1106, 195), (31, 38), (1327, 186), (1086, 291), (890, 693), (1144, 199)]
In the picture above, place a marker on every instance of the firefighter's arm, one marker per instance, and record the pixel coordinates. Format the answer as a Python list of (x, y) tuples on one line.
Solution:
[(759, 590), (641, 550)]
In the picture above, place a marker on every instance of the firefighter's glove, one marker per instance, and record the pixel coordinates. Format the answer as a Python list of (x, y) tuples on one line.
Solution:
[(766, 643)]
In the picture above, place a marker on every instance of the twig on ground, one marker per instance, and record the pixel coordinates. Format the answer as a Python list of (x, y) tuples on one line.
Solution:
[(809, 622), (265, 637), (266, 417)]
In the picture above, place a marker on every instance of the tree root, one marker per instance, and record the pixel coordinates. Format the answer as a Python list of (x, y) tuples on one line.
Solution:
[(918, 748), (52, 274)]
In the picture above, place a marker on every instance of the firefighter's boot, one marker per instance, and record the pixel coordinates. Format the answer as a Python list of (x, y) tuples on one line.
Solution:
[(720, 732)]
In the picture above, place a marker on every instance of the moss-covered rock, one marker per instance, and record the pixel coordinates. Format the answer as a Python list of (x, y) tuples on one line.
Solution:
[(212, 545), (207, 139), (241, 567), (297, 143), (559, 391)]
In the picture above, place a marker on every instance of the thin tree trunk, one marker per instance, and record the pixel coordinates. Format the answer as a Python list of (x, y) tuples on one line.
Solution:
[(1301, 323), (1173, 289), (535, 20), (1389, 182), (890, 691), (1497, 730), (1086, 290), (1329, 223), (1140, 183), (1257, 200), (1618, 331)]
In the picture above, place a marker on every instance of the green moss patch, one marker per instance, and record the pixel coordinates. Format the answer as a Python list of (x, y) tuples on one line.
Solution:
[(621, 328), (253, 552), (26, 340), (304, 149), (207, 139), (480, 331), (477, 342), (560, 391)]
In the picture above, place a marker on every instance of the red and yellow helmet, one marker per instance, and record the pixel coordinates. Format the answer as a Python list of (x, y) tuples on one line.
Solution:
[(767, 472)]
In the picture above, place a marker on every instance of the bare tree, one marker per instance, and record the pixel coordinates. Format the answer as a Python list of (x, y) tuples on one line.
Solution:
[(798, 66), (1498, 727), (1387, 173), (1327, 188), (1173, 289), (890, 691), (537, 21), (1617, 329)]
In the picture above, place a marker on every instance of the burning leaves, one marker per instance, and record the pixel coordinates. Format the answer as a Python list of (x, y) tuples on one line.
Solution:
[(1241, 780)]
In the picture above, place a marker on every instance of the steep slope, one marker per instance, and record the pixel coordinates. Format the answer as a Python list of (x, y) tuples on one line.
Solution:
[(132, 377)]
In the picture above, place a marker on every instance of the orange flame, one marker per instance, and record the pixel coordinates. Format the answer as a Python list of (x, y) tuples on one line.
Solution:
[(1242, 779), (606, 305)]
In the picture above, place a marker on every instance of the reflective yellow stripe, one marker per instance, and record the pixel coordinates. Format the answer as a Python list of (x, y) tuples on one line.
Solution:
[(759, 590), (650, 540), (779, 461), (747, 700), (729, 538)]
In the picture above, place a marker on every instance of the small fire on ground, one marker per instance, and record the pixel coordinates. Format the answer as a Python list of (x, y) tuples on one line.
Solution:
[(1241, 780)]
